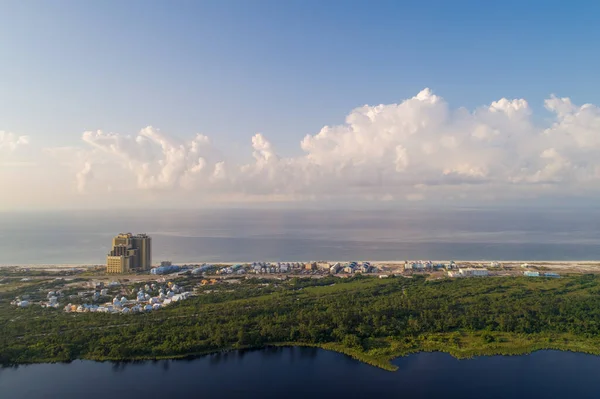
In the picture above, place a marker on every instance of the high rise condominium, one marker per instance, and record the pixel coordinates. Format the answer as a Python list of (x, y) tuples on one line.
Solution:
[(129, 253)]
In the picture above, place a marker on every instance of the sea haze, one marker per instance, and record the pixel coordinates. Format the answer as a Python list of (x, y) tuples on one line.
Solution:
[(291, 235)]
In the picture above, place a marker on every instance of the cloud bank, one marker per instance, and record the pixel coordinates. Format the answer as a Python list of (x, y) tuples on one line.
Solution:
[(10, 141), (414, 150)]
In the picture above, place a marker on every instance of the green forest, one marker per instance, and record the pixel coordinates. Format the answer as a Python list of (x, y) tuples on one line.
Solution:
[(370, 319)]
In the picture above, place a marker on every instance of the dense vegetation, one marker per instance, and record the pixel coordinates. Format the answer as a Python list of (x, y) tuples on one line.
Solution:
[(368, 318)]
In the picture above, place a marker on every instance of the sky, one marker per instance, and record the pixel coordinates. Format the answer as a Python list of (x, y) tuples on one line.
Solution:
[(383, 103)]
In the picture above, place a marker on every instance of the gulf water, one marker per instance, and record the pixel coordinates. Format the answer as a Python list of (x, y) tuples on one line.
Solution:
[(238, 235)]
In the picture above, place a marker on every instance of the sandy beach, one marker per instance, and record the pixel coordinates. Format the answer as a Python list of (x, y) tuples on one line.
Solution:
[(395, 266)]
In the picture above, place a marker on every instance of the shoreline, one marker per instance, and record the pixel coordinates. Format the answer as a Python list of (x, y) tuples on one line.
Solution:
[(396, 267), (383, 262), (535, 343)]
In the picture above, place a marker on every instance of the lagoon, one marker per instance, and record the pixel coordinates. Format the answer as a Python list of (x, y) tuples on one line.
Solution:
[(316, 373)]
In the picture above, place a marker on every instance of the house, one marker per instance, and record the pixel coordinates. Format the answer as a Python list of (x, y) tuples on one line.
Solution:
[(349, 269), (311, 266), (471, 272), (323, 266), (335, 268)]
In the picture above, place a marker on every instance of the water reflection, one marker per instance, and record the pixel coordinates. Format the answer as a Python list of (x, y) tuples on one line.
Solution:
[(118, 367), (273, 351), (308, 352), (302, 371), (121, 365)]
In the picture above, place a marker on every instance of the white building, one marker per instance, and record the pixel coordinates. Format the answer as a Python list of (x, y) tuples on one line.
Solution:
[(335, 268), (468, 272)]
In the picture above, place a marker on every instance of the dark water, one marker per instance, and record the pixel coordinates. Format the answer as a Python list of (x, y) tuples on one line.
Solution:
[(306, 372), (280, 235)]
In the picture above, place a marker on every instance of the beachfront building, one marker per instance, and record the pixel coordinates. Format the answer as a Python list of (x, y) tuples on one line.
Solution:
[(165, 267), (311, 266), (118, 264), (324, 266), (471, 272), (129, 253), (335, 268), (350, 268)]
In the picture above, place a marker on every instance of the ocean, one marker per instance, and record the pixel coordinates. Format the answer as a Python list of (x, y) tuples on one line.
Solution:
[(238, 235)]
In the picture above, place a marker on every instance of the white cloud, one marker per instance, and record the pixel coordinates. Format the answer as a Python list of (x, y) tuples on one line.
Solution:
[(19, 164), (420, 141), (83, 177), (385, 152), (10, 141), (156, 160), (415, 197)]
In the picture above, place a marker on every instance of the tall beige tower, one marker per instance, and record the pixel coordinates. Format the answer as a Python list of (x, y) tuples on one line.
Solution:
[(129, 253), (122, 239), (143, 244)]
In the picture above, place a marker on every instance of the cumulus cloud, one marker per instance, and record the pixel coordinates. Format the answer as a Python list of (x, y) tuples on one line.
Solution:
[(83, 177), (158, 161), (10, 141), (412, 149)]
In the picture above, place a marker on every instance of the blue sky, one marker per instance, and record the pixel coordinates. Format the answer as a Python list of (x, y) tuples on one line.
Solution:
[(231, 69), (284, 68)]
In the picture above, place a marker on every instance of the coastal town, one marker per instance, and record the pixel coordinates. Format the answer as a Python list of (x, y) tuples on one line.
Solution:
[(191, 308), (94, 290), (129, 283)]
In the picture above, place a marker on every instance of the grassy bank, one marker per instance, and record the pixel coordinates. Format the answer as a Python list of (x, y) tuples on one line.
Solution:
[(467, 346)]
